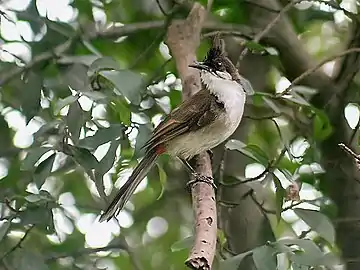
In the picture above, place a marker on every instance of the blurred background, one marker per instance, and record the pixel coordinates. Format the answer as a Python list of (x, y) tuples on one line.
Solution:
[(84, 82)]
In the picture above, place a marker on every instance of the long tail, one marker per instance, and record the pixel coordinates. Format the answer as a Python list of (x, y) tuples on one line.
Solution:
[(129, 187)]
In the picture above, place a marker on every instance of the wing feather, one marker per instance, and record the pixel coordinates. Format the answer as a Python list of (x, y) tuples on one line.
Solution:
[(190, 115)]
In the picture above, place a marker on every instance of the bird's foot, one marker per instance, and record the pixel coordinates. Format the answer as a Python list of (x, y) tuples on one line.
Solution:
[(201, 178)]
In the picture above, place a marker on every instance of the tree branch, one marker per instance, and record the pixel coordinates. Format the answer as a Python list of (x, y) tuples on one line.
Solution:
[(183, 37), (113, 33), (52, 53), (86, 251), (319, 65), (18, 244)]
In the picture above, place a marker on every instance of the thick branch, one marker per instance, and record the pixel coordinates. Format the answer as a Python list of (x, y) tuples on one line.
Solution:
[(183, 37)]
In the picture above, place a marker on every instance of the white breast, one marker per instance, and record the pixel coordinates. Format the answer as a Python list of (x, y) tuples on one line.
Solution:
[(228, 91), (233, 97)]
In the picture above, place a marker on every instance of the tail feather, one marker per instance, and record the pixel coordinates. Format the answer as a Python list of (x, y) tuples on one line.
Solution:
[(129, 187)]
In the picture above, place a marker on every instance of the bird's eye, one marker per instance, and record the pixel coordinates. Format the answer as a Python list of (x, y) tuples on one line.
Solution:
[(219, 64)]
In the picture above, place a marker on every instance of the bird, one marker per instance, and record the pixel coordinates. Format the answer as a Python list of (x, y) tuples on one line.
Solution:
[(198, 124)]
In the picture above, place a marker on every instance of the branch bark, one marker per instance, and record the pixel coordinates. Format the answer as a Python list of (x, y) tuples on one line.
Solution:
[(183, 38)]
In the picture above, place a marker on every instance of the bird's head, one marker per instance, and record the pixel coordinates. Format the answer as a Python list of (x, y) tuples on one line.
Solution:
[(219, 65)]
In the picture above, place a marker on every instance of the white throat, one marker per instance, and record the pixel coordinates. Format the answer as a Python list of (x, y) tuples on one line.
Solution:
[(227, 91)]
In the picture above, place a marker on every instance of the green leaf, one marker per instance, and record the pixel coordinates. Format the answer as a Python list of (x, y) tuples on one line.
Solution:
[(31, 12), (296, 98), (85, 60), (264, 258), (317, 222), (307, 252), (301, 89), (4, 228), (144, 134), (123, 111), (32, 157), (258, 153), (83, 157), (64, 102), (47, 128), (107, 161), (183, 244), (127, 82), (102, 136), (75, 120), (163, 179), (77, 78), (36, 215), (280, 194), (104, 166), (234, 262), (271, 104), (240, 146), (255, 47), (43, 170), (104, 63), (43, 197), (96, 96), (30, 95), (322, 126)]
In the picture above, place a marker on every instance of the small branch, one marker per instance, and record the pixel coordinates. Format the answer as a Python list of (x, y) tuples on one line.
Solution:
[(18, 245), (128, 29), (319, 65), (86, 251), (161, 8), (268, 27), (58, 50), (350, 152), (183, 38)]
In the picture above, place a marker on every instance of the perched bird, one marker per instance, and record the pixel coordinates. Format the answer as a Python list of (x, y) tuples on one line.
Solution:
[(198, 124)]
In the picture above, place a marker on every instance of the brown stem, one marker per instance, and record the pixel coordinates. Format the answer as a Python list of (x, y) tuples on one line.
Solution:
[(183, 37)]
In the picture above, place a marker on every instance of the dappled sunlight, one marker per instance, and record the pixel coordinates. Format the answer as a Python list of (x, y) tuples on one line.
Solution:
[(83, 84), (352, 114), (156, 227), (50, 9)]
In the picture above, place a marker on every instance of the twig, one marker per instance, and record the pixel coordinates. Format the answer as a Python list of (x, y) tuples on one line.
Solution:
[(262, 117), (183, 38), (128, 29), (319, 65), (268, 27), (350, 152), (85, 251), (18, 243), (161, 8), (58, 50), (226, 32)]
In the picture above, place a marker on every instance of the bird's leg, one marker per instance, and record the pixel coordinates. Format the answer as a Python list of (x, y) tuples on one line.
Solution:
[(197, 177)]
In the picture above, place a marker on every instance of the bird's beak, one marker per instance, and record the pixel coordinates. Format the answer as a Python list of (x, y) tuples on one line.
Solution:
[(200, 66)]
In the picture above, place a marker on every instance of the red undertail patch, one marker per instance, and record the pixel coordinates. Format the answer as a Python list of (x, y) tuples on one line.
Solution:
[(160, 149)]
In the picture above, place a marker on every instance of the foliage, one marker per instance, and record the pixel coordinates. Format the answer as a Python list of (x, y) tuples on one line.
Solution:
[(77, 101)]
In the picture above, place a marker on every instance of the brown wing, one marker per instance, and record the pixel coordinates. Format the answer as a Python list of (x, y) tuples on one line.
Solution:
[(194, 113)]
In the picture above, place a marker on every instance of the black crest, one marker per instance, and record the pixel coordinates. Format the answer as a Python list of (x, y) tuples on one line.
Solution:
[(217, 49)]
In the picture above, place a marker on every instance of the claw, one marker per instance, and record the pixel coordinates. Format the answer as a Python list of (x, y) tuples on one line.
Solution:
[(201, 178)]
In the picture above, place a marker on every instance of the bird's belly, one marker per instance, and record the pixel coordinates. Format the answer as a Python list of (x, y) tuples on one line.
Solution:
[(196, 142)]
